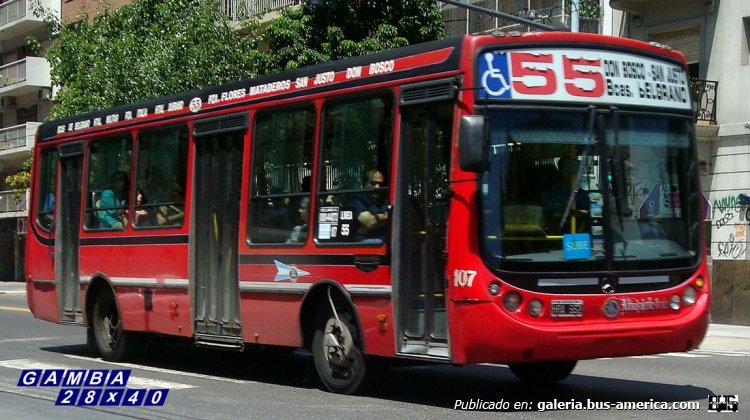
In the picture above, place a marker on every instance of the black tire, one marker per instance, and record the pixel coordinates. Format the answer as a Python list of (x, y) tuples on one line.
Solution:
[(113, 343), (543, 372), (341, 368), (91, 340)]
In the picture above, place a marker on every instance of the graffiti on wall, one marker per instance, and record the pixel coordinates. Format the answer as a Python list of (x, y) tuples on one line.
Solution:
[(729, 220)]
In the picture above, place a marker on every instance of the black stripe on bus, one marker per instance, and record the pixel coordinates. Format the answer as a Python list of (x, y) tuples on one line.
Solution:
[(136, 240)]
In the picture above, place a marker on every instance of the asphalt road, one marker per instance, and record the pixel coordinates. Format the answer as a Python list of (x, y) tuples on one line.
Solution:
[(211, 384)]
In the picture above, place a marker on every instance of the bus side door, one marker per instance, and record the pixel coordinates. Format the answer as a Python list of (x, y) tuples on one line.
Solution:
[(422, 214), (67, 226), (215, 230)]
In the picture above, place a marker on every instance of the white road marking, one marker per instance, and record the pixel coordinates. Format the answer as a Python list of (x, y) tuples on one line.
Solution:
[(133, 381), (686, 355), (160, 370), (13, 340)]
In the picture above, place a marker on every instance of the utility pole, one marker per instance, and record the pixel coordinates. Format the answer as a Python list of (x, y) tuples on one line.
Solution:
[(574, 15)]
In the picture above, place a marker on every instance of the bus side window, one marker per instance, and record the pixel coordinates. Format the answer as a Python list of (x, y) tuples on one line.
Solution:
[(108, 183), (281, 176), (159, 199), (46, 199), (356, 160)]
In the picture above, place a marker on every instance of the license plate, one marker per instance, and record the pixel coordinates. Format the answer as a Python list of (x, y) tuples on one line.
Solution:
[(567, 308)]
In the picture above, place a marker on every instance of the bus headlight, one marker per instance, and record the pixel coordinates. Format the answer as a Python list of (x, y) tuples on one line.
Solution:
[(512, 301), (535, 307), (689, 297), (674, 302)]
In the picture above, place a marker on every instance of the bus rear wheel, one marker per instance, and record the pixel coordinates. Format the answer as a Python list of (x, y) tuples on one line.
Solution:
[(113, 342), (543, 372), (337, 354)]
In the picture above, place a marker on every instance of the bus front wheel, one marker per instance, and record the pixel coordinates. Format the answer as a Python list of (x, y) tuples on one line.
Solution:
[(113, 342), (543, 372), (337, 354)]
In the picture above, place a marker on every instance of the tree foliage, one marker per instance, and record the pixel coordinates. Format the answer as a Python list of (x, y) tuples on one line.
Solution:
[(154, 48), (147, 49), (334, 29), (20, 181)]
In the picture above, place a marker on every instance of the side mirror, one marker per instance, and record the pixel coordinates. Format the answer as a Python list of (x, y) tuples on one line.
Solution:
[(473, 142)]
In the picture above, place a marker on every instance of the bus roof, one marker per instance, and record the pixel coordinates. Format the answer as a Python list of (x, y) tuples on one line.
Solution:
[(400, 63)]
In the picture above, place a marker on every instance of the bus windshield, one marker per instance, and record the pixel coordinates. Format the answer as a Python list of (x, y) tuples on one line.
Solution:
[(589, 190)]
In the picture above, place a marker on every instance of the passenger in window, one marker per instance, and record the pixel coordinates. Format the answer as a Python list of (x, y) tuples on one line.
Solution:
[(172, 213), (371, 209), (299, 232), (48, 210), (305, 185), (112, 202), (142, 215), (277, 212), (555, 198)]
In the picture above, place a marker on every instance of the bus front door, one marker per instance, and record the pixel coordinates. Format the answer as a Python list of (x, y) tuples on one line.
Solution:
[(214, 265), (421, 227), (67, 225)]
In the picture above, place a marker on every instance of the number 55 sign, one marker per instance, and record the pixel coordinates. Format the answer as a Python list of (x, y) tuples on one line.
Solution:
[(576, 75)]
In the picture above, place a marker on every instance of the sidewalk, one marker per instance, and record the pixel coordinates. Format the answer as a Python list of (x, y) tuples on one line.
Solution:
[(721, 337), (726, 337)]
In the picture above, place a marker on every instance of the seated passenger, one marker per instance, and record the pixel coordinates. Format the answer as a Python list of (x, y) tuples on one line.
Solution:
[(111, 205), (299, 232), (143, 216), (371, 209), (555, 198), (172, 213)]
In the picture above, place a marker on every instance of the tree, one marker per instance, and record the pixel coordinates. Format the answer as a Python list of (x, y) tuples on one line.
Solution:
[(20, 181), (147, 49), (154, 48), (334, 29)]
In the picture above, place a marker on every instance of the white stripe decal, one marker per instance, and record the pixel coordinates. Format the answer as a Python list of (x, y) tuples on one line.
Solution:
[(148, 282), (363, 289), (247, 286), (278, 287)]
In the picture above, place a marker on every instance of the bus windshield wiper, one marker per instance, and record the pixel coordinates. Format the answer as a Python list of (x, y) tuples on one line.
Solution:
[(618, 176), (618, 173), (581, 167)]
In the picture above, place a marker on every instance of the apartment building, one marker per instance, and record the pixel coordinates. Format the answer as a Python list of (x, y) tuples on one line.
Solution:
[(25, 100)]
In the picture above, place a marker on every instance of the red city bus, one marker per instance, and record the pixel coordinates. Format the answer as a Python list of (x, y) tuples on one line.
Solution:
[(525, 199)]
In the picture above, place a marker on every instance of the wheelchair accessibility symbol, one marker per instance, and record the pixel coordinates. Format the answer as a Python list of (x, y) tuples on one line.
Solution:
[(494, 75)]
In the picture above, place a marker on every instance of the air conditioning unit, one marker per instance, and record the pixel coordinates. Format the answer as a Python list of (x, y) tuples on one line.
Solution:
[(45, 94), (7, 103)]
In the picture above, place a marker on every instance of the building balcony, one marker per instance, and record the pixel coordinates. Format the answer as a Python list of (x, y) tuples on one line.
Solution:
[(16, 141), (239, 9), (704, 100), (17, 18), (9, 207), (554, 13), (23, 77)]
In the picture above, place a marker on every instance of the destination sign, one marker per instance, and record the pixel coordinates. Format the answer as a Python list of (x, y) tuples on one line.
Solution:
[(582, 75)]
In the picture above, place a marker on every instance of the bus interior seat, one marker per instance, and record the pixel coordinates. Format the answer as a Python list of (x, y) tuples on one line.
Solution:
[(523, 220), (92, 215)]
